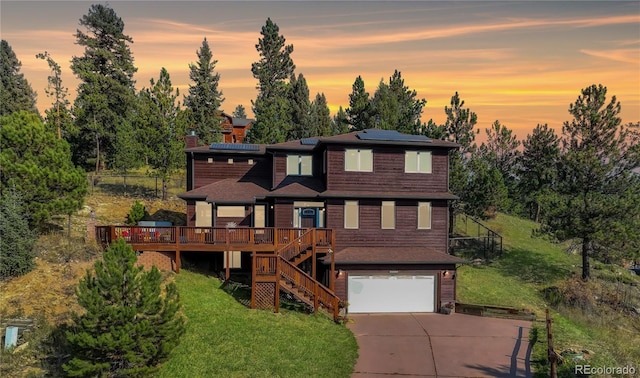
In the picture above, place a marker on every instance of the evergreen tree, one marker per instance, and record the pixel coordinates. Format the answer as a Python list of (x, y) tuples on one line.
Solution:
[(17, 238), (15, 91), (164, 128), (433, 130), (106, 94), (204, 99), (321, 116), (459, 125), (129, 326), (485, 191), (360, 111), (538, 168), (597, 197), (272, 108), (409, 107), (301, 121), (385, 108), (239, 112), (38, 166), (340, 122), (59, 116)]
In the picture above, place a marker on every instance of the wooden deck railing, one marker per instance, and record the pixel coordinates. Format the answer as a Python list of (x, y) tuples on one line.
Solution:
[(297, 245), (207, 235)]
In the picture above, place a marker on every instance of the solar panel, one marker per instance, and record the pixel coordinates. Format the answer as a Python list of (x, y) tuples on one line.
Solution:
[(390, 135), (234, 147), (308, 141)]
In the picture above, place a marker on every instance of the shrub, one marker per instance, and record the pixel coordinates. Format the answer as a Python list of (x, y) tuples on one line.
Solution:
[(136, 213), (129, 326), (16, 257)]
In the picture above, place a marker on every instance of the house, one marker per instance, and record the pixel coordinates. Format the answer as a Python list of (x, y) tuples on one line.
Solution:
[(384, 194), (359, 219), (234, 129)]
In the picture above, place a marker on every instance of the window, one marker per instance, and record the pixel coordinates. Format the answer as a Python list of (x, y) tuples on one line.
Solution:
[(203, 214), (259, 215), (417, 162), (230, 161), (424, 215), (357, 160), (230, 211), (351, 214), (299, 165), (250, 161), (388, 215)]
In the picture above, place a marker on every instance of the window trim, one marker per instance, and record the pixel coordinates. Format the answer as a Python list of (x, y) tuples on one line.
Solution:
[(417, 157), (392, 206), (357, 214), (429, 206), (358, 161), (300, 165)]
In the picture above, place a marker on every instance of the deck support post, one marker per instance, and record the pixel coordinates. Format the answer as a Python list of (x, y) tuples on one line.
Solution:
[(313, 254), (276, 291), (227, 252), (112, 234), (332, 276), (253, 279), (177, 239)]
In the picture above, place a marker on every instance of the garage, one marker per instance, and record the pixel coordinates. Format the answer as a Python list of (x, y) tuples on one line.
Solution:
[(391, 293)]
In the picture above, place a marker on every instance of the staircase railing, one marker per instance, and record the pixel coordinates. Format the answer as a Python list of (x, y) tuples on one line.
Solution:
[(297, 245), (307, 285)]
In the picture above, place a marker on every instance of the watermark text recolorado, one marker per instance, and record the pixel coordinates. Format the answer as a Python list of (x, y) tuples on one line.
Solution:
[(601, 370)]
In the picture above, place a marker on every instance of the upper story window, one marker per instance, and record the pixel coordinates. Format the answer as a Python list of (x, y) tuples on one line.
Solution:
[(351, 214), (299, 165), (424, 215), (417, 162), (388, 215), (358, 160)]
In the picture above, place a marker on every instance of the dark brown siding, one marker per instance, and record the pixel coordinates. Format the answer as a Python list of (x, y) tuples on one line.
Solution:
[(406, 232), (341, 286), (388, 172), (280, 168), (191, 213), (207, 173), (283, 214)]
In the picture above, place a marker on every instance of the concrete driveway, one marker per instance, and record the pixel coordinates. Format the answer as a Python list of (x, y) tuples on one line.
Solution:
[(436, 345)]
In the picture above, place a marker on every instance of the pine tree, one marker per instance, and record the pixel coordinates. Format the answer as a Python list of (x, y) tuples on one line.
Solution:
[(538, 168), (321, 116), (597, 197), (106, 94), (301, 121), (485, 190), (38, 166), (360, 111), (272, 107), (409, 107), (59, 116), (239, 112), (15, 91), (17, 238), (340, 122), (205, 99), (163, 128), (129, 325)]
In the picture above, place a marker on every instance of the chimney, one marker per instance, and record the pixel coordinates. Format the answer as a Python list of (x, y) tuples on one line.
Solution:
[(191, 139)]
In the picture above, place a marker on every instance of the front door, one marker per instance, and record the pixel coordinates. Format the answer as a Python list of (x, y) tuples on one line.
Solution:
[(308, 218)]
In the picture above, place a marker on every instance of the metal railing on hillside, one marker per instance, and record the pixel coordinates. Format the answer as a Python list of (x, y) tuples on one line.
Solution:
[(473, 239)]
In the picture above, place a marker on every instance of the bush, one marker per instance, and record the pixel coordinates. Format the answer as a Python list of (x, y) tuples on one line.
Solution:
[(129, 326), (136, 213), (16, 257)]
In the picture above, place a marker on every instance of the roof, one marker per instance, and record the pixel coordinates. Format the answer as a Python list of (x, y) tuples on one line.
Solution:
[(230, 191), (238, 122), (230, 148), (394, 255)]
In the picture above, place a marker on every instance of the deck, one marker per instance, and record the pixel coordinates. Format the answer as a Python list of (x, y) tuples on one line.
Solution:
[(276, 256)]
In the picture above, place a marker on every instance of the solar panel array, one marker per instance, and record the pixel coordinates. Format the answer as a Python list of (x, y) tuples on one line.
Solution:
[(308, 141), (390, 135), (234, 147)]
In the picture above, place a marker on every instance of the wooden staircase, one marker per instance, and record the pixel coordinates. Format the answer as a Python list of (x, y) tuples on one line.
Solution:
[(281, 271)]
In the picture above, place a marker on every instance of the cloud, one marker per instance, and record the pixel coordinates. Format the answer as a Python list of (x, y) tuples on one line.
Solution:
[(619, 55)]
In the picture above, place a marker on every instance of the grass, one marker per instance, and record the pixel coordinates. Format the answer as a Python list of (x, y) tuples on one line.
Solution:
[(528, 266), (224, 338)]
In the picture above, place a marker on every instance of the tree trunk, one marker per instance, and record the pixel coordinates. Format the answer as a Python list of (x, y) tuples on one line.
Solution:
[(586, 248), (164, 189), (451, 218), (69, 227), (537, 212)]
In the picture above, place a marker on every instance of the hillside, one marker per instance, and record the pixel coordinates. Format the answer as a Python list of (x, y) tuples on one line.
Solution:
[(600, 316)]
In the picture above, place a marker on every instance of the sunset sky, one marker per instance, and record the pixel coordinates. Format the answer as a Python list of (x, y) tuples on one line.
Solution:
[(522, 63)]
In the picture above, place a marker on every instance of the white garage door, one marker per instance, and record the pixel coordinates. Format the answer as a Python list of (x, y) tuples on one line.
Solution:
[(391, 293)]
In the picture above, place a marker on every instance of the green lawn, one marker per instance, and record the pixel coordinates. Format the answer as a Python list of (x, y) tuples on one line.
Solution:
[(226, 339), (531, 264)]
